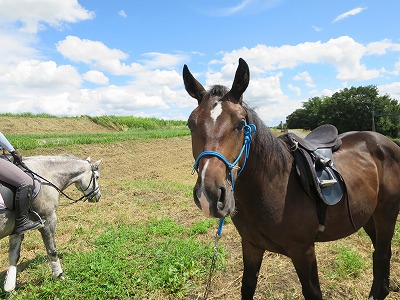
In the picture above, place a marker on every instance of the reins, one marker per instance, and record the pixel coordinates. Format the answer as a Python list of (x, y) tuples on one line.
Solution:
[(82, 198), (248, 130)]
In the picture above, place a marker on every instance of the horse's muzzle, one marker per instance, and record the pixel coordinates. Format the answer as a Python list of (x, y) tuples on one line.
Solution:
[(214, 202), (95, 198)]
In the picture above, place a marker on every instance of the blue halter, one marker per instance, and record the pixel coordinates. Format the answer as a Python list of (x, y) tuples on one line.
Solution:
[(248, 130)]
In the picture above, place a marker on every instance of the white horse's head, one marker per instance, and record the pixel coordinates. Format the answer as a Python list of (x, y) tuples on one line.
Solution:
[(88, 184)]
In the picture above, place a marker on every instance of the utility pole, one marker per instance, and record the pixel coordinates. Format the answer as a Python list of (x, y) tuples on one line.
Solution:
[(373, 120)]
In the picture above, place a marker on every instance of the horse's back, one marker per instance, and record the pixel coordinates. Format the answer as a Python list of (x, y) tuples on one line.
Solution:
[(369, 162), (372, 146)]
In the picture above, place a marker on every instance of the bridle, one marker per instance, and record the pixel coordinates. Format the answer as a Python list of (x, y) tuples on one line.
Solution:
[(248, 130), (85, 197), (92, 182)]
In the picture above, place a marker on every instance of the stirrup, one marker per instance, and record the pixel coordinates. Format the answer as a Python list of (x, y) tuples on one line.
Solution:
[(327, 182)]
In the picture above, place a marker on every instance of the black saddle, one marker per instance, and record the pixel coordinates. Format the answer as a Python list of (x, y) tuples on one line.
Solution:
[(324, 136), (315, 166)]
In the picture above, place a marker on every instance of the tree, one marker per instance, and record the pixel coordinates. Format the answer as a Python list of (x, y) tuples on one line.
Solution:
[(355, 108)]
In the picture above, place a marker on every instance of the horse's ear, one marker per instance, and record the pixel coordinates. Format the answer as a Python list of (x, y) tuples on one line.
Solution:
[(192, 86), (97, 163), (241, 81), (88, 159)]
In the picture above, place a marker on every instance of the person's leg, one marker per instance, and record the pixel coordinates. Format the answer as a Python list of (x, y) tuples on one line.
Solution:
[(13, 175)]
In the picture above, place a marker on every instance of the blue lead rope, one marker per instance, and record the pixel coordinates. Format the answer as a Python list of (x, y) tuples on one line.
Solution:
[(221, 224), (248, 130)]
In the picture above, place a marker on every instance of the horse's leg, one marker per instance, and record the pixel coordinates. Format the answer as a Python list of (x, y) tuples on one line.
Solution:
[(48, 232), (14, 251), (252, 259), (369, 228), (305, 263), (385, 221)]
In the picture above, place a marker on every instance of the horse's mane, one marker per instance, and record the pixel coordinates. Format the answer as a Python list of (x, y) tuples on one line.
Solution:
[(272, 151)]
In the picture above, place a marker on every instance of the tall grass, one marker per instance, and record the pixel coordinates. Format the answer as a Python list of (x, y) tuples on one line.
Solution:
[(32, 141), (125, 123), (28, 115), (126, 128)]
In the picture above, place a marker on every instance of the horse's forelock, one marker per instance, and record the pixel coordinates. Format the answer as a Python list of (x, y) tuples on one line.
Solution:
[(217, 91)]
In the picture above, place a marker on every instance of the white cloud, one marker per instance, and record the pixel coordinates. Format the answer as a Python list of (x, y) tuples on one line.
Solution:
[(98, 55), (397, 68), (235, 9), (122, 13), (392, 89), (382, 47), (96, 77), (294, 89), (316, 28), (342, 53), (304, 76), (93, 53), (352, 12), (43, 75), (33, 14), (16, 46)]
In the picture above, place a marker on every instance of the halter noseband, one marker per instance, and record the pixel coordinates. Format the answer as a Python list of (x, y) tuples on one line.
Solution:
[(248, 130)]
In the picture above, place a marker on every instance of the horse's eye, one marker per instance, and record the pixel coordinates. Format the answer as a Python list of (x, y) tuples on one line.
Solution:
[(240, 126)]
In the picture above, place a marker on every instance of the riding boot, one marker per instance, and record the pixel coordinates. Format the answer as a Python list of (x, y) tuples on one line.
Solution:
[(23, 198)]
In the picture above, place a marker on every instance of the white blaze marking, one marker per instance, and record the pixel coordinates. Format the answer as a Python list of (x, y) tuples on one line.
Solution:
[(216, 111), (205, 206)]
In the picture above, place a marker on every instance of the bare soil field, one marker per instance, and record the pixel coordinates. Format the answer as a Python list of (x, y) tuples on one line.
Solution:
[(170, 161)]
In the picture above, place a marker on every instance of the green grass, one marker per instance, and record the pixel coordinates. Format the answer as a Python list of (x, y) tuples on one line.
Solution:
[(28, 115), (126, 128), (124, 123), (33, 141), (347, 264), (128, 262)]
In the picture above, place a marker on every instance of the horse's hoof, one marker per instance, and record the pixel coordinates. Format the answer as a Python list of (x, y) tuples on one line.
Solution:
[(61, 276)]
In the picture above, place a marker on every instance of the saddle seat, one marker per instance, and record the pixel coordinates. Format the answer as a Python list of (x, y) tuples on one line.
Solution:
[(324, 136)]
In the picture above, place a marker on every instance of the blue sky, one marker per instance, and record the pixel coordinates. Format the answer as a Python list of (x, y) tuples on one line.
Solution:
[(123, 57)]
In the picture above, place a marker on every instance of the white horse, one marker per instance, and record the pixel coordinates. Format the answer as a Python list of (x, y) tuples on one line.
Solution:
[(55, 174)]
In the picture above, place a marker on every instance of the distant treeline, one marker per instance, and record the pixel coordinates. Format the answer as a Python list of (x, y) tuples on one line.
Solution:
[(355, 108)]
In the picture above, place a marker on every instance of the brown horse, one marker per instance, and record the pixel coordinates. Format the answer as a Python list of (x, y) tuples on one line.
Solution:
[(268, 205)]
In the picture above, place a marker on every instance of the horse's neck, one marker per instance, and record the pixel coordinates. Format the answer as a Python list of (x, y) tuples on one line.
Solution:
[(269, 154), (60, 171)]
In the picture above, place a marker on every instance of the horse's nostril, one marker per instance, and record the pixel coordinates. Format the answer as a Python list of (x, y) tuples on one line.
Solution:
[(221, 198)]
